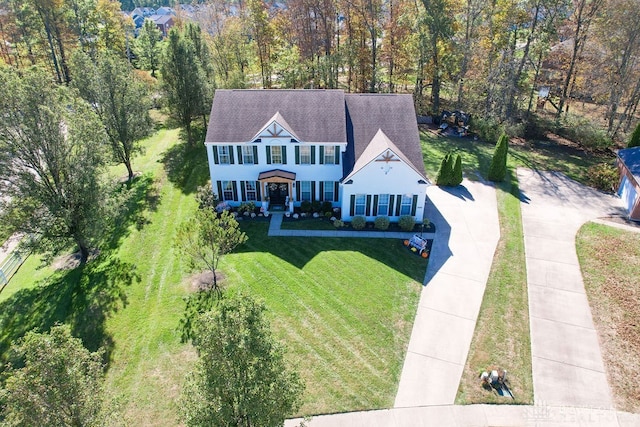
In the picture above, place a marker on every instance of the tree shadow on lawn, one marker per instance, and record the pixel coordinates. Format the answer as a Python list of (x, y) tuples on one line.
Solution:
[(186, 166), (298, 251), (136, 198), (83, 298)]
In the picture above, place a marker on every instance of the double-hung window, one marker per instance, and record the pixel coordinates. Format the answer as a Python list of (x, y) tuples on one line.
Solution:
[(330, 155), (224, 156), (276, 154), (405, 207), (383, 204), (247, 155), (250, 190), (328, 189), (305, 154), (360, 201), (227, 190), (305, 190)]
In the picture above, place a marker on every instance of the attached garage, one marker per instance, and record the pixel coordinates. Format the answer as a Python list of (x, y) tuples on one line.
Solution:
[(629, 187)]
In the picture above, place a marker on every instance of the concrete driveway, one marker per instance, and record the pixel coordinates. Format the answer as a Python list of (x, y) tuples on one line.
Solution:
[(467, 232), (567, 363)]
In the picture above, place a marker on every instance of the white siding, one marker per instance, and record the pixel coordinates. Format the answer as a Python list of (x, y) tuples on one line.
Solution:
[(394, 178)]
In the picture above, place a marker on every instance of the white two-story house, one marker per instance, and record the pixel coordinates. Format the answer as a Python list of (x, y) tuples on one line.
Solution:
[(361, 152)]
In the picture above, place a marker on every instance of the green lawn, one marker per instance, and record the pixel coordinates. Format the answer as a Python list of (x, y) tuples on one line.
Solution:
[(501, 337), (344, 307)]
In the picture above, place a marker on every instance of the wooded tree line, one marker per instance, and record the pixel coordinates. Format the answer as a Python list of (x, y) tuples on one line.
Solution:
[(488, 58)]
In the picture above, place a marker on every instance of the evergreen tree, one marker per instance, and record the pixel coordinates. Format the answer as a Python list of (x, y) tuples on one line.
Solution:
[(147, 47), (456, 178), (634, 141), (498, 167), (444, 173), (189, 93)]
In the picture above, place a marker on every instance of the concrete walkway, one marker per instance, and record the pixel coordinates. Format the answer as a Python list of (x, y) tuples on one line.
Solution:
[(476, 415), (455, 280), (567, 363)]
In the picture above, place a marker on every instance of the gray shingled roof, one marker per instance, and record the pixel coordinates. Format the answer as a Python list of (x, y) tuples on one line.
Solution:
[(394, 114), (315, 115), (631, 158)]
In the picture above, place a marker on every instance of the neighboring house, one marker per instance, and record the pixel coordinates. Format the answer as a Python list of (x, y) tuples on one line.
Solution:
[(138, 21), (163, 22), (360, 152), (629, 188), (165, 11), (143, 11)]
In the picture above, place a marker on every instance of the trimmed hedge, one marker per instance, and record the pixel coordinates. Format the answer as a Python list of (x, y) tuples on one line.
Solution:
[(406, 222), (381, 223), (358, 222)]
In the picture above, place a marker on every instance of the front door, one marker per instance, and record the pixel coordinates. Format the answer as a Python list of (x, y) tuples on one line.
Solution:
[(278, 192)]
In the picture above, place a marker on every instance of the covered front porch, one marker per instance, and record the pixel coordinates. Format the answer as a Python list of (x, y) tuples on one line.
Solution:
[(278, 188)]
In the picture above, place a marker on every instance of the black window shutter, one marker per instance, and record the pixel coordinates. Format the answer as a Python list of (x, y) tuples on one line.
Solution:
[(215, 155), (313, 191), (321, 154), (235, 191), (284, 154), (337, 154), (297, 155), (231, 154), (268, 147), (313, 155), (321, 198), (243, 190), (391, 200), (240, 159), (398, 204), (352, 206), (258, 184), (298, 190), (220, 193), (336, 189), (368, 207), (255, 154), (414, 204), (375, 205)]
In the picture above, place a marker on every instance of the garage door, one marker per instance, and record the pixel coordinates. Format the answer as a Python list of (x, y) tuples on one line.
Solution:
[(627, 193)]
